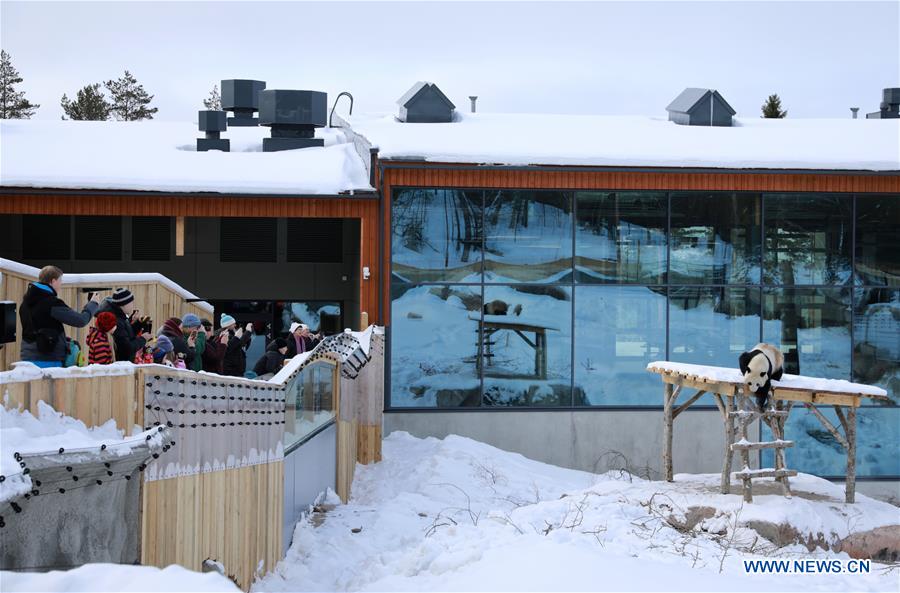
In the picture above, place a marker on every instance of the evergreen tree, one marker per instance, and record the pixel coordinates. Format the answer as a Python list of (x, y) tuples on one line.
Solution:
[(130, 102), (214, 102), (13, 104), (89, 104), (772, 107)]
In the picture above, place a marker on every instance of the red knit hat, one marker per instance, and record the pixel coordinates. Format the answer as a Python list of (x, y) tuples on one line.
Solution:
[(106, 321)]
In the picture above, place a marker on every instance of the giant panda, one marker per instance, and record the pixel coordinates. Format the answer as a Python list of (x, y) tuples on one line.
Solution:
[(760, 367)]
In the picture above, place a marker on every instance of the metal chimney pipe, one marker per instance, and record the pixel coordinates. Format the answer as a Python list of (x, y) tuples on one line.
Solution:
[(473, 98), (855, 110)]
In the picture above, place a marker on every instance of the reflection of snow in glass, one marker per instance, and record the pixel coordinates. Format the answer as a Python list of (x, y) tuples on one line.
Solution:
[(308, 313)]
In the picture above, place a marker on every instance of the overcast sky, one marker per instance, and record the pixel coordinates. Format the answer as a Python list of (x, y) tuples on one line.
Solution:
[(598, 58)]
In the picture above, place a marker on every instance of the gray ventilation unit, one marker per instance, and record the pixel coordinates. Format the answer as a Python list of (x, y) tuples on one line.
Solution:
[(213, 123), (890, 105), (293, 117), (242, 98), (425, 103), (700, 107)]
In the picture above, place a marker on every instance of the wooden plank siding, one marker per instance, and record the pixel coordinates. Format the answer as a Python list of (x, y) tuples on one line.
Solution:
[(111, 204), (393, 174)]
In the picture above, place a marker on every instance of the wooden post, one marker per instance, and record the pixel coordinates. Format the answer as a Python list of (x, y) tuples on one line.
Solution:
[(745, 454), (363, 320), (850, 490), (667, 431), (728, 406), (179, 236)]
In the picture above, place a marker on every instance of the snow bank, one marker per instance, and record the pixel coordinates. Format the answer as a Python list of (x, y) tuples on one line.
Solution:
[(161, 156), (459, 515), (117, 577), (788, 381), (25, 434), (27, 371), (115, 279), (634, 141)]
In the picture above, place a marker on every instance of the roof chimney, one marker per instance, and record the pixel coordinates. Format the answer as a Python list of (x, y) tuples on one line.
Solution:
[(473, 98), (855, 110)]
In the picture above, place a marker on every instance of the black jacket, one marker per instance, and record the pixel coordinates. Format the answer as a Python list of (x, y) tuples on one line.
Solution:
[(234, 363), (309, 341), (180, 346), (42, 311), (270, 362), (127, 342)]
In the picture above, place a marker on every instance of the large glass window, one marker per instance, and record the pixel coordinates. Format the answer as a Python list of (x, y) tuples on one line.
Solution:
[(309, 402), (618, 331), (435, 345), (526, 348), (712, 325), (715, 238), (876, 339), (808, 239), (528, 236), (878, 240), (436, 235), (620, 237), (811, 326)]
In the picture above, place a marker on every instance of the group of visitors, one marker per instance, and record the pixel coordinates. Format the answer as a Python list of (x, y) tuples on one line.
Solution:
[(120, 333)]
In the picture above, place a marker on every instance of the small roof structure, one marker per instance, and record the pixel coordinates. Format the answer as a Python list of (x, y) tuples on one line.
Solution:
[(690, 97), (421, 87)]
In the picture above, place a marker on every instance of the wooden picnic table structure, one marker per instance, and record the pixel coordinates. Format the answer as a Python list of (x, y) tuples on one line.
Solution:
[(488, 325), (738, 410)]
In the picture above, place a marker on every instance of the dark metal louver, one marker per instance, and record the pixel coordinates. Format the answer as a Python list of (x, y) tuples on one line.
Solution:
[(248, 240), (98, 237), (151, 238), (46, 238), (315, 240)]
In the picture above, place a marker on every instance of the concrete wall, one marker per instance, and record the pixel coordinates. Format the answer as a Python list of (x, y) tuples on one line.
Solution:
[(579, 439), (308, 471)]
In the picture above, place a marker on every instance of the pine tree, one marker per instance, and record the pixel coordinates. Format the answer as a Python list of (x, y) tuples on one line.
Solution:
[(772, 107), (130, 102), (13, 104), (214, 102), (89, 104)]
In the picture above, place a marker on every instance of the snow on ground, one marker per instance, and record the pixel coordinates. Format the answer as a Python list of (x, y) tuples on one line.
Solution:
[(456, 514), (23, 433), (639, 141), (162, 156), (116, 577)]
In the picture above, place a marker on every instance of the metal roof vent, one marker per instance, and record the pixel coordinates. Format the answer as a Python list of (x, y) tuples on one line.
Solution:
[(241, 97), (425, 103), (890, 105), (293, 117), (700, 107), (213, 123)]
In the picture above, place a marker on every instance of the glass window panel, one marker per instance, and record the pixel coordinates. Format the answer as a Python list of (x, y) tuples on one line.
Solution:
[(436, 235), (320, 316), (876, 339), (712, 326), (434, 345), (309, 402), (527, 350), (618, 331), (808, 239), (811, 326), (878, 240), (815, 450), (715, 238), (528, 236), (620, 237)]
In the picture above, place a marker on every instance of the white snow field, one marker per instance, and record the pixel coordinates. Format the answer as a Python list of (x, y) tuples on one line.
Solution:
[(459, 515), (117, 577)]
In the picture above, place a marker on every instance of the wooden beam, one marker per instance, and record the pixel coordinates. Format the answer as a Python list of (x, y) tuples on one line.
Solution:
[(828, 425), (179, 236), (667, 430), (686, 404), (850, 487)]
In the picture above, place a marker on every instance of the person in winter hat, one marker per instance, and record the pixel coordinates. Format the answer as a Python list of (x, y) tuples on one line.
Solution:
[(191, 326), (236, 340), (300, 340), (43, 315), (272, 361), (145, 354), (214, 350), (173, 330), (128, 337), (163, 351), (100, 339)]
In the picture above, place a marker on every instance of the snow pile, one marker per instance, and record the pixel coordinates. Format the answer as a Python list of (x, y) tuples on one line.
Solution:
[(636, 141), (25, 434), (161, 156), (27, 371), (455, 514), (117, 577)]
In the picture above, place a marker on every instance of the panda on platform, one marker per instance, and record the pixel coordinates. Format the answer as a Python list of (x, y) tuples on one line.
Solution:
[(760, 367)]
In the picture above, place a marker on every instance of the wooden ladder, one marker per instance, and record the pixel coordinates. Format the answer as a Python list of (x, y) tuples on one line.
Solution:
[(775, 419)]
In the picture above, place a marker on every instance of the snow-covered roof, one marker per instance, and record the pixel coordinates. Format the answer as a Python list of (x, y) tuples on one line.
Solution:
[(690, 96), (162, 156), (636, 141)]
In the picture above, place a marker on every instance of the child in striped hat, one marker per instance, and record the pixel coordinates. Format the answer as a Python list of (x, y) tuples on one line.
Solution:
[(99, 339)]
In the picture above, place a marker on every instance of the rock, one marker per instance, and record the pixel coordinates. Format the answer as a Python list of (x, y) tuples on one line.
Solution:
[(692, 517), (881, 543), (784, 534)]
